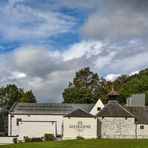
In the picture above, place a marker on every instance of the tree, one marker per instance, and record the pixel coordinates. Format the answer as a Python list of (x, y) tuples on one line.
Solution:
[(86, 87), (28, 97), (8, 96), (128, 85)]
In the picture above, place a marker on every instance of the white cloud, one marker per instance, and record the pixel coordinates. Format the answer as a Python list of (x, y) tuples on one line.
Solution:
[(17, 75), (23, 22), (47, 72), (134, 72), (87, 48), (112, 77)]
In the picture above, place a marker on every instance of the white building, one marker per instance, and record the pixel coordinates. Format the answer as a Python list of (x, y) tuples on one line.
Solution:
[(72, 120), (36, 119), (80, 123)]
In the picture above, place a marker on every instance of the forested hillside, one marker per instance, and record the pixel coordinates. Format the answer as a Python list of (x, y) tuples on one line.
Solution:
[(87, 87), (127, 85)]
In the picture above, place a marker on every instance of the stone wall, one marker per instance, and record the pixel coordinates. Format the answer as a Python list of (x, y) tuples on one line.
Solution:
[(113, 127)]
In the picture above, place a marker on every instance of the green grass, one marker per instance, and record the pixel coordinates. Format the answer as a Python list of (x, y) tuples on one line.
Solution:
[(94, 143)]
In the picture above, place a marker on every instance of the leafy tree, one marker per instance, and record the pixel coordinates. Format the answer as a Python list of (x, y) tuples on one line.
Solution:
[(28, 97), (8, 96), (129, 85), (86, 87)]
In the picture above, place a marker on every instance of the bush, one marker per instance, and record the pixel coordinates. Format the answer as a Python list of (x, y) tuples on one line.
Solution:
[(19, 141), (26, 139), (1, 134), (49, 137), (80, 138), (36, 139), (14, 140)]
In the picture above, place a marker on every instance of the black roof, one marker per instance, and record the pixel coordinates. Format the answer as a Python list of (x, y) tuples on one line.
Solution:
[(48, 108), (79, 113), (114, 109)]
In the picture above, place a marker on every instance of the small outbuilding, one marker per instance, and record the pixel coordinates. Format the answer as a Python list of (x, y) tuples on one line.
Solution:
[(80, 123)]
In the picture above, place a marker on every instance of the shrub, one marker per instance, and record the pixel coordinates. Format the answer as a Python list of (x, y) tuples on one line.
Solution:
[(36, 139), (26, 139), (1, 134), (19, 141), (14, 140), (49, 137), (80, 138)]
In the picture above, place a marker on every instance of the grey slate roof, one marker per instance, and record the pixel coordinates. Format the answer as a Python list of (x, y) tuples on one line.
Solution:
[(80, 113), (140, 113), (114, 109), (48, 108)]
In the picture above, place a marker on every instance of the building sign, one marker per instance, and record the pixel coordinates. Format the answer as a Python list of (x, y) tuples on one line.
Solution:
[(80, 127)]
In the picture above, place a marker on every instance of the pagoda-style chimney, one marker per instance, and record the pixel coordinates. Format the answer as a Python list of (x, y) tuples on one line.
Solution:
[(112, 95)]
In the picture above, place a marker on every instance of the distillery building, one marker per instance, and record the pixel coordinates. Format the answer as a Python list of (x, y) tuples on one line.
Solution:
[(69, 121)]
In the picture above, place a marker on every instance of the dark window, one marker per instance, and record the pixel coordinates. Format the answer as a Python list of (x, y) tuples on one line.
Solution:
[(99, 108), (18, 120), (142, 127)]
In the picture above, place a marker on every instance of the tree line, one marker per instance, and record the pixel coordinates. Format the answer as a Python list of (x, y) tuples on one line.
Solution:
[(88, 87)]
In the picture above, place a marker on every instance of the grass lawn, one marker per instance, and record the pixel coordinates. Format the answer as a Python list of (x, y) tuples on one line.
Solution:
[(94, 143)]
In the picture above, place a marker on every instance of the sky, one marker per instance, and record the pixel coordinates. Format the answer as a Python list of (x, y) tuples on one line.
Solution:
[(44, 42)]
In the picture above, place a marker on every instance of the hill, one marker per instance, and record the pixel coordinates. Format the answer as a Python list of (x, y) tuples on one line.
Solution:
[(128, 85)]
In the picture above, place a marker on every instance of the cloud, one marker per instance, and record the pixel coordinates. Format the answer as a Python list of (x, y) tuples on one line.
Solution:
[(47, 72), (20, 21), (87, 48), (134, 72), (112, 77), (117, 19)]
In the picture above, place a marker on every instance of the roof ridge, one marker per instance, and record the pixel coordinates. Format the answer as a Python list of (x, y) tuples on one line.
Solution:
[(81, 110), (13, 106), (125, 109), (105, 108)]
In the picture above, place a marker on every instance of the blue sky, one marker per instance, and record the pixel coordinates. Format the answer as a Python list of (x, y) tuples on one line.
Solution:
[(44, 42)]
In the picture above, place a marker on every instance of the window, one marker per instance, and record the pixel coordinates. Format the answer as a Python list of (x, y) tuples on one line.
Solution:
[(142, 127), (98, 108), (18, 120)]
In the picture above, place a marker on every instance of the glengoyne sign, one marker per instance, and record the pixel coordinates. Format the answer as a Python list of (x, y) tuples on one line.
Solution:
[(80, 127)]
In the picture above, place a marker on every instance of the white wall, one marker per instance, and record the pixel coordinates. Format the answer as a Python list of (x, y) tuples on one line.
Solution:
[(94, 110), (112, 127), (142, 133), (6, 140), (71, 132), (13, 129), (36, 129)]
